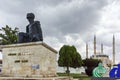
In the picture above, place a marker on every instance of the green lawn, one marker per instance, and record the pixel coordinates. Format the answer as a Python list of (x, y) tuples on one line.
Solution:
[(76, 76)]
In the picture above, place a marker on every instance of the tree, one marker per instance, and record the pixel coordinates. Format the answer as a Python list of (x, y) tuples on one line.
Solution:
[(8, 35), (69, 57), (77, 61)]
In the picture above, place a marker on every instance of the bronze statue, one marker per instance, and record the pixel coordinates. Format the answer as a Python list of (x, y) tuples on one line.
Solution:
[(33, 31)]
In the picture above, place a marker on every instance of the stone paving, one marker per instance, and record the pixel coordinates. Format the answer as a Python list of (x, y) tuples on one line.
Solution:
[(30, 78)]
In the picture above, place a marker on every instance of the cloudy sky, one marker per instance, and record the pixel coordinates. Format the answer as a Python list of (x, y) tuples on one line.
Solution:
[(72, 22)]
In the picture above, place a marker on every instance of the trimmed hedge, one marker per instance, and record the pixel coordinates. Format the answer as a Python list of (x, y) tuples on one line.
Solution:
[(90, 64)]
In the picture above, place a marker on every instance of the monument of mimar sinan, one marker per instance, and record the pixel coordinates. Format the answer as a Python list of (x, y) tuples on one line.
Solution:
[(33, 31), (30, 57)]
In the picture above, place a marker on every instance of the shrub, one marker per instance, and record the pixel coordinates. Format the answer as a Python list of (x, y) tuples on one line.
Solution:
[(90, 64)]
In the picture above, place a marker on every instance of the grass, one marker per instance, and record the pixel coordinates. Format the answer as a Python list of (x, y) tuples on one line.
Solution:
[(76, 76)]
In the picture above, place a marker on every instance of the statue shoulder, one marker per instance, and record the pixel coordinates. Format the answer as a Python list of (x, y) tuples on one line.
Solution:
[(37, 22)]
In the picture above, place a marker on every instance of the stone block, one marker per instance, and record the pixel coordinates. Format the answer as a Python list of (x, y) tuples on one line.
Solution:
[(29, 59)]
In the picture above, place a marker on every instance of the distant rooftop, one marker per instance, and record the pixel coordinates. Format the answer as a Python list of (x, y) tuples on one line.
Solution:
[(101, 55)]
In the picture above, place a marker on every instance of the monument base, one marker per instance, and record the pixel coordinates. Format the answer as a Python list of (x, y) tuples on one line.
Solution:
[(25, 78), (34, 59)]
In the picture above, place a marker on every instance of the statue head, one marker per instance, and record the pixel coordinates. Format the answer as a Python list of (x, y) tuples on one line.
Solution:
[(30, 17)]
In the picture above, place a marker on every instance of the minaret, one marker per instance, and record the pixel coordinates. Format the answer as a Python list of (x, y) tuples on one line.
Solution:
[(101, 48), (86, 50), (94, 46), (113, 50)]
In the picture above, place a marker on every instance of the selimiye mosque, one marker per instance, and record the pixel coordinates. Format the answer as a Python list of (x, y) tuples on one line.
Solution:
[(101, 55)]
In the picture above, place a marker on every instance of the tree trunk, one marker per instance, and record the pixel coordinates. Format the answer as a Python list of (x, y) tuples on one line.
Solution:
[(68, 71)]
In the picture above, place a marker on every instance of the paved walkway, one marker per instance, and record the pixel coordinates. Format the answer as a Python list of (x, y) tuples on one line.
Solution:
[(28, 78)]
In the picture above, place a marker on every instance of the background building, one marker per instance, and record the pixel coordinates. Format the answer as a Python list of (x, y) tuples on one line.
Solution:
[(100, 55)]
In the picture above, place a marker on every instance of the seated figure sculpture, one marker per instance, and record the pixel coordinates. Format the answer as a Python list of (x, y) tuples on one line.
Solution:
[(33, 31)]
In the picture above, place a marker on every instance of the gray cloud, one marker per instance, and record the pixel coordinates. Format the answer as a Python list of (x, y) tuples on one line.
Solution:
[(72, 17), (59, 16)]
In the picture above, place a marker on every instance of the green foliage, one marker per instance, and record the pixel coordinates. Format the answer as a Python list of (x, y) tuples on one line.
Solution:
[(8, 36), (77, 61), (69, 57), (90, 64), (76, 76)]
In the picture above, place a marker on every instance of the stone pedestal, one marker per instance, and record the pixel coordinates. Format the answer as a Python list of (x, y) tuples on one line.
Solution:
[(34, 59)]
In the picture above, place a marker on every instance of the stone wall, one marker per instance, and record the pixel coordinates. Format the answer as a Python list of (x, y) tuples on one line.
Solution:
[(29, 59)]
